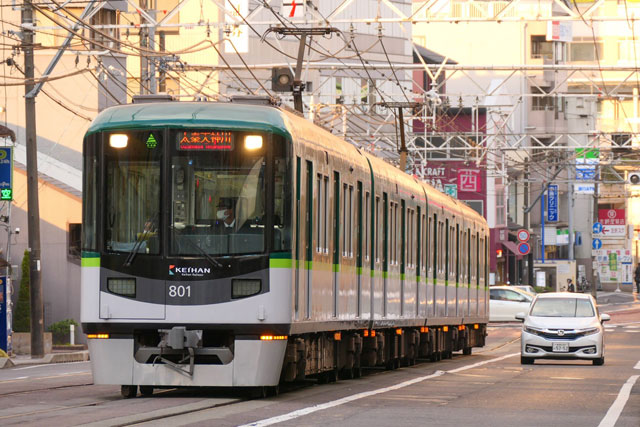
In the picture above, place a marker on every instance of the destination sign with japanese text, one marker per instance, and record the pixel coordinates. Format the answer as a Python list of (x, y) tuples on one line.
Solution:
[(210, 140)]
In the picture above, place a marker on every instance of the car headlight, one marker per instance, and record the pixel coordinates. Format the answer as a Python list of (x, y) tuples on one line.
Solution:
[(589, 331), (531, 330)]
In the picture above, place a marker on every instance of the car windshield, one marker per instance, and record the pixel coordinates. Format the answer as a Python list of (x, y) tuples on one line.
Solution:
[(562, 307)]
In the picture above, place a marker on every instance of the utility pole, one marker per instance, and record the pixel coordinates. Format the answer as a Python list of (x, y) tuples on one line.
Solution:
[(298, 86), (402, 149), (33, 208)]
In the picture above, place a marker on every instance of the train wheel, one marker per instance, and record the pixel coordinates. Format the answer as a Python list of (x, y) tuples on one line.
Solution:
[(347, 374), (466, 351), (129, 391), (146, 390), (357, 372)]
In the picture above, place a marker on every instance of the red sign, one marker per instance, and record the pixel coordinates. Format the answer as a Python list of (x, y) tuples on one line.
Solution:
[(469, 180), (523, 235), (215, 140), (611, 216)]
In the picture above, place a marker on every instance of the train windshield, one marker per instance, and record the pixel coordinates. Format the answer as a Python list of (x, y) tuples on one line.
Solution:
[(202, 193), (133, 162), (220, 196)]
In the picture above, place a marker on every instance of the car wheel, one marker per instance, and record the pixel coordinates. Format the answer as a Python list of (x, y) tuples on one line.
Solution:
[(526, 360), (599, 361)]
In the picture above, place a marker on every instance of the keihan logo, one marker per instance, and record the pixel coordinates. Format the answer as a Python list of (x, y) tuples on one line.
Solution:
[(188, 271)]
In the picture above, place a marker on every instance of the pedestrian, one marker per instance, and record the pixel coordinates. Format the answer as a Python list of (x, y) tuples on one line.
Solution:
[(637, 278), (570, 286)]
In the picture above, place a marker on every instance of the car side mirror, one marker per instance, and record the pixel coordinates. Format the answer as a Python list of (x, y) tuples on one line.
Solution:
[(604, 317), (520, 317)]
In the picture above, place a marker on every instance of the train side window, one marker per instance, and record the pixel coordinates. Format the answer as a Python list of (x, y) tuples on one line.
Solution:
[(419, 232), (345, 215), (385, 232), (376, 230), (434, 247), (429, 237), (468, 255), (319, 213), (367, 225), (477, 258), (350, 219), (325, 228)]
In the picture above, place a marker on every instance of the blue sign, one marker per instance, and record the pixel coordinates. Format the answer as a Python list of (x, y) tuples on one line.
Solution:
[(552, 203), (596, 244), (585, 173), (5, 322), (524, 248), (597, 227), (6, 173)]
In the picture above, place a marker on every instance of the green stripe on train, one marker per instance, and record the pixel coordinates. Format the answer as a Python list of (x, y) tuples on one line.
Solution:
[(90, 262), (280, 263)]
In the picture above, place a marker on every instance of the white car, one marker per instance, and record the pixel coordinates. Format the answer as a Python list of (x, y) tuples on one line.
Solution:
[(526, 288), (507, 301), (563, 325)]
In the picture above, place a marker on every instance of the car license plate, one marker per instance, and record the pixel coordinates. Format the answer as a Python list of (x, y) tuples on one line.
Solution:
[(560, 347)]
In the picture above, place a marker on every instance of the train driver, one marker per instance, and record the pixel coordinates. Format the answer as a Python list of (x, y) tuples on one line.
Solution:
[(225, 216)]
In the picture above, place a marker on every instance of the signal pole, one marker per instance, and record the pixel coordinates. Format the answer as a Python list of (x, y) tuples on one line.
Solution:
[(33, 208)]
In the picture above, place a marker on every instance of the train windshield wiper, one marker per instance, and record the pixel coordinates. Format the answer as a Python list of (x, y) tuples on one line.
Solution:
[(206, 255), (149, 226)]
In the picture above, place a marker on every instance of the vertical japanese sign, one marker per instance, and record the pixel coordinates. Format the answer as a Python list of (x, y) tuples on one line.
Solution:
[(552, 203), (6, 173), (235, 11)]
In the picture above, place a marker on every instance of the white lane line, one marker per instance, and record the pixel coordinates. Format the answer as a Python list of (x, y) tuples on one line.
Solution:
[(338, 402), (616, 408), (45, 365), (637, 366)]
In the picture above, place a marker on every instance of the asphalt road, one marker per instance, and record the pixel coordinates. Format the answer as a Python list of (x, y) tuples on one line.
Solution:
[(488, 388)]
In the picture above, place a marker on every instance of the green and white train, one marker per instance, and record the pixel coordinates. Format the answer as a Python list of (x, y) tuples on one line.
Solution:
[(238, 245)]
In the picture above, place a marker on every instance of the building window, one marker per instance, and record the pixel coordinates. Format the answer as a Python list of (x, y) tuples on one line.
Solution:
[(584, 51), (103, 38), (541, 48), (74, 240), (538, 102)]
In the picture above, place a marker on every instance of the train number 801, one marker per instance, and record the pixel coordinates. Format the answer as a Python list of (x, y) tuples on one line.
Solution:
[(179, 291)]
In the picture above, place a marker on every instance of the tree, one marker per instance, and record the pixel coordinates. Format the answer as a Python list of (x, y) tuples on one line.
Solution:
[(22, 315)]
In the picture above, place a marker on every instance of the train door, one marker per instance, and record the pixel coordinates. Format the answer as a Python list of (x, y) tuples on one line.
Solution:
[(457, 270), (359, 242), (418, 255), (296, 267), (403, 252), (308, 216), (385, 252), (336, 241)]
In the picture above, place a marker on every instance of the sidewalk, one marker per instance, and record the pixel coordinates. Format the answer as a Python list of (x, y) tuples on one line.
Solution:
[(56, 356), (615, 298)]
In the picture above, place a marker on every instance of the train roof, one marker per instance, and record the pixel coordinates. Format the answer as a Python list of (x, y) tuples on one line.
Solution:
[(239, 116), (191, 115)]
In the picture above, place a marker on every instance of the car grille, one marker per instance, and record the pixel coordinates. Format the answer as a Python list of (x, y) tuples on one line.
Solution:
[(551, 334), (549, 349)]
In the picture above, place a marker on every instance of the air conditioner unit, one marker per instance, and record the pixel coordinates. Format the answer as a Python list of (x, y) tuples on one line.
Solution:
[(634, 178)]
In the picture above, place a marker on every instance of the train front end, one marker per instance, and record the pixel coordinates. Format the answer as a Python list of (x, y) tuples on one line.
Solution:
[(186, 247)]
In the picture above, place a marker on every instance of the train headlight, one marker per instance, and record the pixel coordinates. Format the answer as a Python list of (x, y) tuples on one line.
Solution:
[(122, 286), (118, 140), (242, 288), (253, 142)]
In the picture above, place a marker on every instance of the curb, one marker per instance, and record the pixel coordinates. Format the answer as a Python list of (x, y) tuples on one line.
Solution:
[(78, 356), (5, 362)]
